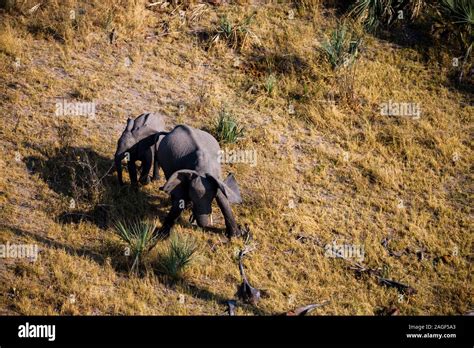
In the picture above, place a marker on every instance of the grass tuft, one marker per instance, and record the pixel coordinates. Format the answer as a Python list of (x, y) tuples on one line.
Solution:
[(270, 84), (9, 42), (343, 46), (140, 239), (180, 253), (235, 35), (227, 129)]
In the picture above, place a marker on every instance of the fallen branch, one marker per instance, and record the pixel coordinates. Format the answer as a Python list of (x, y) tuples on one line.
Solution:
[(301, 311), (247, 292), (403, 288)]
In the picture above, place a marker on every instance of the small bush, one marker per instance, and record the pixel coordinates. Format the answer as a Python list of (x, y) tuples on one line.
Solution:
[(139, 237), (456, 21), (375, 13), (10, 43), (227, 129), (179, 254), (75, 171), (372, 13), (237, 35), (270, 84), (342, 47)]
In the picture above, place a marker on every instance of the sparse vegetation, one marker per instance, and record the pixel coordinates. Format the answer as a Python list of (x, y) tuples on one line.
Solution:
[(376, 13), (235, 35), (372, 13), (456, 20), (9, 42), (342, 47), (330, 167), (227, 129), (180, 253), (270, 84), (140, 239)]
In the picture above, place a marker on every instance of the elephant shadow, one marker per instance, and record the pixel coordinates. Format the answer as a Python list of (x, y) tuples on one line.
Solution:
[(85, 179)]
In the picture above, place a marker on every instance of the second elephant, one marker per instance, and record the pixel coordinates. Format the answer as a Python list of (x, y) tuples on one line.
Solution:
[(137, 143)]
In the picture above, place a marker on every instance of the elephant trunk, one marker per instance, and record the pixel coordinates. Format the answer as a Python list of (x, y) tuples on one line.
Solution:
[(118, 166), (202, 220)]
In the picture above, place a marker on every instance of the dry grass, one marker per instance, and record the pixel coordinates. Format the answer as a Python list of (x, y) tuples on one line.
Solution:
[(330, 167)]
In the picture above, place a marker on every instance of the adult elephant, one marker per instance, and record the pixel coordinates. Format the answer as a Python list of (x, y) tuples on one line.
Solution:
[(189, 158)]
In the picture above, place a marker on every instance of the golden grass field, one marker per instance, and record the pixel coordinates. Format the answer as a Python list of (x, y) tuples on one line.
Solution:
[(334, 170)]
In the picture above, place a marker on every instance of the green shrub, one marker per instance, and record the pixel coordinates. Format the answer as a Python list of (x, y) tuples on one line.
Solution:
[(456, 20), (374, 13), (227, 129), (236, 35), (179, 254), (342, 47), (139, 237), (270, 84)]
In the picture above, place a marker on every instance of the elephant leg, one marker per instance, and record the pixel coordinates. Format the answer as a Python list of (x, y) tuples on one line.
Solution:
[(232, 229), (156, 168), (146, 166), (178, 205), (132, 171), (156, 163), (118, 166)]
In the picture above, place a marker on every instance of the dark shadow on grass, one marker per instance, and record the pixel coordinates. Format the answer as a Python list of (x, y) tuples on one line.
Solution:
[(203, 37), (414, 35), (262, 62), (195, 291), (210, 229), (86, 179), (207, 295), (418, 36), (48, 31), (112, 251), (97, 257), (340, 7)]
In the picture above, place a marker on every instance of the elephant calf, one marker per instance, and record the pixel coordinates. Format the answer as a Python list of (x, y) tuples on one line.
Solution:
[(137, 143), (189, 159)]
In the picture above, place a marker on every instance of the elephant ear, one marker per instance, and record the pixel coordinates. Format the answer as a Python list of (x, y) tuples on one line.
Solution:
[(229, 188), (178, 178), (130, 124)]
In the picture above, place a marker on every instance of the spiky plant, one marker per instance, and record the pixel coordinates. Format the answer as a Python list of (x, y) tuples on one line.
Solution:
[(139, 237), (270, 83), (236, 35), (374, 13), (456, 20), (342, 48), (459, 12), (179, 254), (227, 129)]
